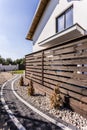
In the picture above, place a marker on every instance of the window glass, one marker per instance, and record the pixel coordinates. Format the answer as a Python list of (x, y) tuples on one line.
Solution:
[(69, 18), (61, 23)]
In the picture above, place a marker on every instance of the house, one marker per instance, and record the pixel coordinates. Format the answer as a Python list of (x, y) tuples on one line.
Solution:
[(58, 32), (56, 21)]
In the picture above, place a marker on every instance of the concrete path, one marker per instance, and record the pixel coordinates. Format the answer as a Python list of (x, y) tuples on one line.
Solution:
[(28, 118)]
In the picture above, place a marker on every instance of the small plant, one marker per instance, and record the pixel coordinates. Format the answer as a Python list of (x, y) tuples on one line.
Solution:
[(56, 100), (21, 82), (31, 90)]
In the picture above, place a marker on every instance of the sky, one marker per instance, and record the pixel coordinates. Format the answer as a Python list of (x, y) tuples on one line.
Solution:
[(15, 19)]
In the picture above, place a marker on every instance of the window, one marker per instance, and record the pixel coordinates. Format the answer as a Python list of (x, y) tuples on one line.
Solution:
[(61, 23), (65, 20)]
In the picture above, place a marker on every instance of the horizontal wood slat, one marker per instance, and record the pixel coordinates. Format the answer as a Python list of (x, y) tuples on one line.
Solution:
[(34, 70), (75, 44), (36, 80), (67, 56), (66, 62), (34, 76), (67, 87), (65, 68), (67, 80), (34, 73), (74, 75), (34, 67)]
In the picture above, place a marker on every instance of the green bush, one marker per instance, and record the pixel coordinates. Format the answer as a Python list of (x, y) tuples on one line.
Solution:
[(55, 99), (21, 82), (31, 90)]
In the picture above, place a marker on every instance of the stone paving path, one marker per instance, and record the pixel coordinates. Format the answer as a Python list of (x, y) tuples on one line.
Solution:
[(4, 119), (29, 119)]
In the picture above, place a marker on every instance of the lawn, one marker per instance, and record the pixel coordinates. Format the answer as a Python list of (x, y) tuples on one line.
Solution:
[(17, 71)]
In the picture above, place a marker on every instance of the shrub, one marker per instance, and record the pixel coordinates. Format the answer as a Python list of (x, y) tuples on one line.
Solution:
[(31, 90), (55, 99), (56, 90), (21, 82)]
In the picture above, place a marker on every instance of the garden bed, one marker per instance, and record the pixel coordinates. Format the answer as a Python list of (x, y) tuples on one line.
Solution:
[(42, 102)]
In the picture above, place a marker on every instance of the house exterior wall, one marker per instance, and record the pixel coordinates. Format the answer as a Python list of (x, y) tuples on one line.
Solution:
[(47, 25), (80, 13)]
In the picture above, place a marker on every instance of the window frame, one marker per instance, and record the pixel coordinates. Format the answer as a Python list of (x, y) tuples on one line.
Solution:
[(64, 13)]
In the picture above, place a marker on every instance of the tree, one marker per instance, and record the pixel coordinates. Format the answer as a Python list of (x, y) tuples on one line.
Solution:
[(8, 61), (2, 60), (21, 63)]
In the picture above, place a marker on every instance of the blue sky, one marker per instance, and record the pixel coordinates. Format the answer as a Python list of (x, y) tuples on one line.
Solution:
[(15, 19)]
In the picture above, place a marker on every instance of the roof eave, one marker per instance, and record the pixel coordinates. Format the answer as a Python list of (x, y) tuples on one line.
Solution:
[(39, 12)]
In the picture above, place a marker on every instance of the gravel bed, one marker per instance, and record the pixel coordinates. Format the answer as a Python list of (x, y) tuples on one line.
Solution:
[(43, 103), (4, 76)]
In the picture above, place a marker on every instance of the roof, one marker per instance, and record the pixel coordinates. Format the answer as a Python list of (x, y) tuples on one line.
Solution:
[(39, 12)]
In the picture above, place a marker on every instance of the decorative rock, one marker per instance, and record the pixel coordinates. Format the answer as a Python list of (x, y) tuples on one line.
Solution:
[(43, 103)]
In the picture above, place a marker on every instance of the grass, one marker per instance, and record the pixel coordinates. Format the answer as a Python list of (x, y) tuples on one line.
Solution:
[(17, 72)]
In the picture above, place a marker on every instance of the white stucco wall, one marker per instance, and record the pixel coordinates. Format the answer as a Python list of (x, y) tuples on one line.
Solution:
[(47, 25), (80, 13)]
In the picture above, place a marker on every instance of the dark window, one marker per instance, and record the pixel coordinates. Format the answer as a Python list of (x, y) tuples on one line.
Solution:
[(60, 23), (65, 20)]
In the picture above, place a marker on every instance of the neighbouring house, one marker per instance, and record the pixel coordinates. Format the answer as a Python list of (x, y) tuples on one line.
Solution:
[(58, 32), (8, 67)]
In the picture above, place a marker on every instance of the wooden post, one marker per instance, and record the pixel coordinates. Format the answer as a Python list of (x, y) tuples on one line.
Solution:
[(42, 67)]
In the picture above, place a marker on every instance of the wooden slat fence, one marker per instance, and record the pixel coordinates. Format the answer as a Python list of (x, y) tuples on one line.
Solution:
[(65, 65)]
